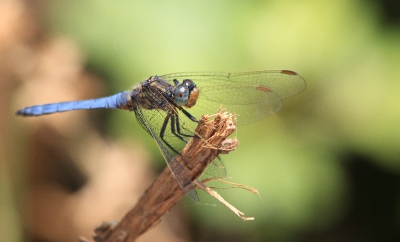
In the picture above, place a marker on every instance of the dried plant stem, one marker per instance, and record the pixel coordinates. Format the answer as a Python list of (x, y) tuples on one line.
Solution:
[(162, 195), (222, 200)]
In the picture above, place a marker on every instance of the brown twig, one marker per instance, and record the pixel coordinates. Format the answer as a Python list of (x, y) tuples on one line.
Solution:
[(162, 195)]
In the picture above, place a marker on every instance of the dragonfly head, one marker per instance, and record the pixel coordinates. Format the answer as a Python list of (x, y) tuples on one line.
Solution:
[(186, 93)]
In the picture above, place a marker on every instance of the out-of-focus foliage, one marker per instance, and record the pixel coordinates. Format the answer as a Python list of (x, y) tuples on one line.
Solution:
[(297, 159)]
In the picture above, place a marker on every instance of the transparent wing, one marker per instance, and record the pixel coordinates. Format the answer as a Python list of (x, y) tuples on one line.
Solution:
[(252, 95), (216, 169)]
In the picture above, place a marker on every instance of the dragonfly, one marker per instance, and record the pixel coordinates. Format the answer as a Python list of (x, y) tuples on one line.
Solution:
[(166, 106)]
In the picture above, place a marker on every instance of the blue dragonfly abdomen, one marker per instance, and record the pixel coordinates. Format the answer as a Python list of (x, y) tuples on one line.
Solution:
[(119, 100)]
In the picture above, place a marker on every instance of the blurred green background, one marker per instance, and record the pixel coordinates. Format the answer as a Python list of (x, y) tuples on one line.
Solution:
[(327, 165)]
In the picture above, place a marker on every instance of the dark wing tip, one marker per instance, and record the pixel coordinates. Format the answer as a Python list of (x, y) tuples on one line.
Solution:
[(287, 72)]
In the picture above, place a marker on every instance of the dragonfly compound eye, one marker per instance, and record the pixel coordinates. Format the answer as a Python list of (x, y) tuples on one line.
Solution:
[(189, 83), (181, 94), (193, 93)]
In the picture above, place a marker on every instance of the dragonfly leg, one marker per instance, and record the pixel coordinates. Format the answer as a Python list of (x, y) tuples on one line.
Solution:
[(164, 126), (175, 123), (178, 127), (187, 114)]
